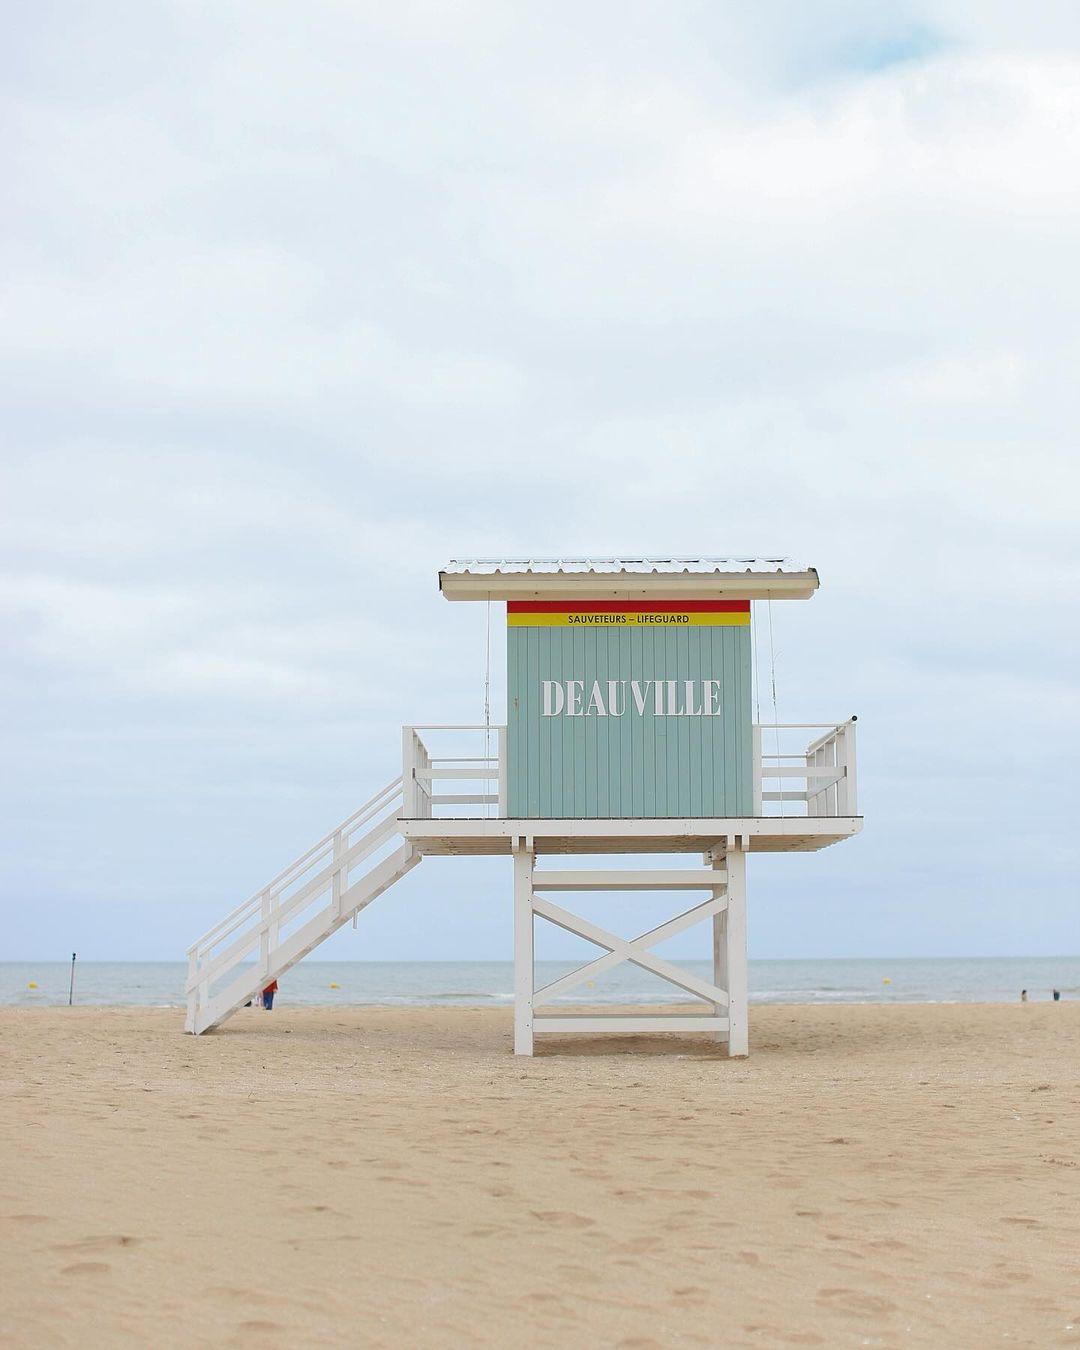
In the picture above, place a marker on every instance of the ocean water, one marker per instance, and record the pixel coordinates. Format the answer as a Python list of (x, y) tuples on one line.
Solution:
[(449, 983)]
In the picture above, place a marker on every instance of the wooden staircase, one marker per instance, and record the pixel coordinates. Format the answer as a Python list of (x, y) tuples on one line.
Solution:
[(314, 896)]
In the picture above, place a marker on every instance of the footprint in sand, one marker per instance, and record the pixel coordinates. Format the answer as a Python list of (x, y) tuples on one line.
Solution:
[(29, 1218), (232, 1293), (87, 1268), (1007, 1276), (787, 1337), (98, 1244), (639, 1245), (560, 1218), (851, 1301), (579, 1274)]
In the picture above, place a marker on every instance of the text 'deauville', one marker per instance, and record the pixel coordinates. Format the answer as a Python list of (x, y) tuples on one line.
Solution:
[(614, 698)]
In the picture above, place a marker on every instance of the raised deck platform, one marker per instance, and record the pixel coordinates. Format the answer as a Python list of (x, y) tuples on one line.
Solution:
[(761, 834), (803, 800)]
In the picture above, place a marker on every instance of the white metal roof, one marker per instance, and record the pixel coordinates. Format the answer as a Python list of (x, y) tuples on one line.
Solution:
[(625, 578)]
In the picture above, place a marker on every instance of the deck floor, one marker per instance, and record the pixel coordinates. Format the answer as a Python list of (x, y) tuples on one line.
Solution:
[(762, 834)]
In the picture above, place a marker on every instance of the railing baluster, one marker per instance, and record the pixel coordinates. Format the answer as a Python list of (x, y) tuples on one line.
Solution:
[(336, 880), (829, 755), (264, 931), (409, 742)]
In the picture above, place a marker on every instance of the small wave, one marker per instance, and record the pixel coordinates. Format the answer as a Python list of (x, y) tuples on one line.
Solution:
[(466, 993)]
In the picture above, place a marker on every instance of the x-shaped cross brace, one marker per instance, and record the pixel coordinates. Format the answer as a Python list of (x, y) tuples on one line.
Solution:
[(634, 950)]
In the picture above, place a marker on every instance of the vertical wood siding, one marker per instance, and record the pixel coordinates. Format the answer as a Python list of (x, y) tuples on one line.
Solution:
[(636, 765)]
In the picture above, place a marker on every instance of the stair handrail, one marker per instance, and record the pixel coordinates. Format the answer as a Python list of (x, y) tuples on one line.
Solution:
[(213, 966), (371, 807), (228, 925)]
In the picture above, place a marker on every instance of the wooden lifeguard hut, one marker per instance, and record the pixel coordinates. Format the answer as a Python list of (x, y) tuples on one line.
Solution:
[(629, 731)]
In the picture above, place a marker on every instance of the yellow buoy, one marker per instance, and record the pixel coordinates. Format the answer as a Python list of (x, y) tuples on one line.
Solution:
[(886, 980), (334, 986), (31, 985)]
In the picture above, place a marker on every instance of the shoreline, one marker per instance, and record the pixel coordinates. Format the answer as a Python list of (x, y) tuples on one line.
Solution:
[(333, 984), (500, 1003)]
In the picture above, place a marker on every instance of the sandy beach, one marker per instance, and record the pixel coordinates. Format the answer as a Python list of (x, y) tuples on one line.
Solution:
[(887, 1176)]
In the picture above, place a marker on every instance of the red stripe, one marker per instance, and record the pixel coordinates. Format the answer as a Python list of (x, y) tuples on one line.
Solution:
[(627, 606)]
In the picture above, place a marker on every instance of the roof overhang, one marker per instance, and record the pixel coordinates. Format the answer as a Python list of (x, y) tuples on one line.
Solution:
[(639, 579)]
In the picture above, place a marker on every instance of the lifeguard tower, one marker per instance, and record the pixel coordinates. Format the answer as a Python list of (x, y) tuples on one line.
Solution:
[(629, 731)]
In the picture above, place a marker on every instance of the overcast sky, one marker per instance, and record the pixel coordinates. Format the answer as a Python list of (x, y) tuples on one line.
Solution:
[(302, 299)]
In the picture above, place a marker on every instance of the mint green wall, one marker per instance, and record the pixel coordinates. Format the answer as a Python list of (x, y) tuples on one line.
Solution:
[(637, 764)]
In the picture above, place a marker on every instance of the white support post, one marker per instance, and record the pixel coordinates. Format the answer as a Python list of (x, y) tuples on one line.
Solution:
[(337, 881), (735, 949), (524, 969), (193, 996), (720, 951), (264, 933), (274, 930), (851, 801), (813, 802), (203, 1001), (757, 768), (408, 773), (502, 810), (424, 785)]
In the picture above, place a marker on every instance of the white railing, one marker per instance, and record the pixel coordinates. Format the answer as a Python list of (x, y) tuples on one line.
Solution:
[(792, 775), (425, 774), (814, 779), (303, 904)]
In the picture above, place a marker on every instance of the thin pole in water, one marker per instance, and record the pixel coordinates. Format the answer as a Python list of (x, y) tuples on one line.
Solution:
[(71, 986)]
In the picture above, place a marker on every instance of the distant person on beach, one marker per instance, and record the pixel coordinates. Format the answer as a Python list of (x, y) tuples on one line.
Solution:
[(1057, 995), (1023, 995), (268, 995)]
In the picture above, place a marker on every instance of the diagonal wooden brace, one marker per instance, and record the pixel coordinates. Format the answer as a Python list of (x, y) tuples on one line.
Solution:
[(634, 950)]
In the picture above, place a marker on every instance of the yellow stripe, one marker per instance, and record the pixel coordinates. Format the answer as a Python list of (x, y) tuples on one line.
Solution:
[(695, 619)]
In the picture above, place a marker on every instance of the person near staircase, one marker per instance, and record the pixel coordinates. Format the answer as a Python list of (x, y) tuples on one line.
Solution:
[(268, 995)]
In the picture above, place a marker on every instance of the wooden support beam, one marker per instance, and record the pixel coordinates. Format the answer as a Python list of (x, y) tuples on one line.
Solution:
[(489, 769), (735, 947), (719, 937), (524, 963), (638, 879), (593, 1022)]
